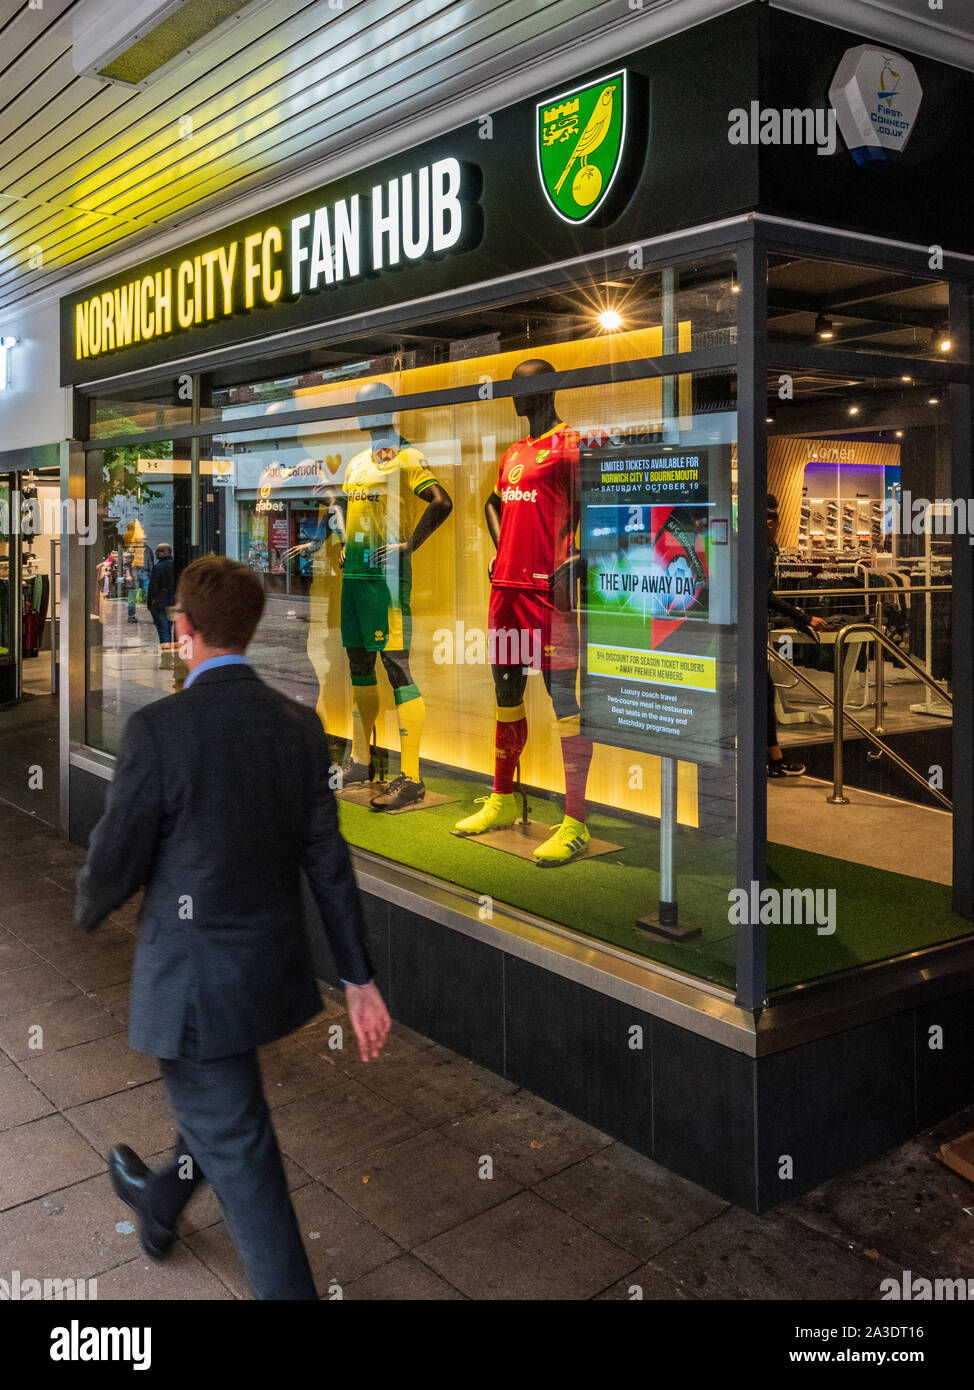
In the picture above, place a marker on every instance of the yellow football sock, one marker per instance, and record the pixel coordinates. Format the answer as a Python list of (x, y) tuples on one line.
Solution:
[(412, 716), (365, 714)]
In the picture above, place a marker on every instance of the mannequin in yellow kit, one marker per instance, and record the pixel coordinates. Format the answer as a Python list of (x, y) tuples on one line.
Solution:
[(379, 541)]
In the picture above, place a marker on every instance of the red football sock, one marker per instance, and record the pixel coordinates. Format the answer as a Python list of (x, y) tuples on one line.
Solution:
[(510, 736), (577, 754)]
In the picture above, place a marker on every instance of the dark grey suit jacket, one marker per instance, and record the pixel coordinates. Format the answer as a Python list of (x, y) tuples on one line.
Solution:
[(220, 797)]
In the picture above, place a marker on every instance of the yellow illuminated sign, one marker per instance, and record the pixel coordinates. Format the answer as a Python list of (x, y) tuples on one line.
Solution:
[(661, 668), (410, 217)]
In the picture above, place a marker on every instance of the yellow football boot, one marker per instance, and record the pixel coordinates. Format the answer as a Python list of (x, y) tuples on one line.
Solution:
[(500, 811), (569, 841)]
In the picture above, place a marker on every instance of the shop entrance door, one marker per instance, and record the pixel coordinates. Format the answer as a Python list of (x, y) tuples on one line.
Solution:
[(30, 571)]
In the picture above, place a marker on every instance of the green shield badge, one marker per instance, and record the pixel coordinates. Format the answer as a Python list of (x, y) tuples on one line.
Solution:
[(581, 135)]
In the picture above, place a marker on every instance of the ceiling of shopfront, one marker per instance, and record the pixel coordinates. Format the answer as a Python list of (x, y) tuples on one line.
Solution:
[(88, 167)]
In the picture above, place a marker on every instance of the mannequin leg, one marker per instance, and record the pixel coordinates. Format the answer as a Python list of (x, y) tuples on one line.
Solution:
[(410, 711), (511, 727), (365, 693), (576, 751), (510, 736)]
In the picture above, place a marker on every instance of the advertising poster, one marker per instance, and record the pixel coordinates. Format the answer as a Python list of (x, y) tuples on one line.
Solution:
[(650, 632)]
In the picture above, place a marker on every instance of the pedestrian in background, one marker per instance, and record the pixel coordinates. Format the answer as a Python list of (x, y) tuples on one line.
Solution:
[(161, 594)]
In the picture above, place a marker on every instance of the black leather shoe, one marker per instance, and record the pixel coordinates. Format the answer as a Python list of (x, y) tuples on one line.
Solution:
[(402, 792), (778, 767), (129, 1177)]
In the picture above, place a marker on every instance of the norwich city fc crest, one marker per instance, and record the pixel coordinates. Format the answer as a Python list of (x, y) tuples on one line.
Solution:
[(581, 135)]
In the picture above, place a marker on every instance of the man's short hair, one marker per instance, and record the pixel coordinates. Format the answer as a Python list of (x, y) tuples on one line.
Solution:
[(223, 599), (163, 550)]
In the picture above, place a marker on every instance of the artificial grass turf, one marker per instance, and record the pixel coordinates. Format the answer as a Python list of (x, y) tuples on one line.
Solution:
[(878, 914)]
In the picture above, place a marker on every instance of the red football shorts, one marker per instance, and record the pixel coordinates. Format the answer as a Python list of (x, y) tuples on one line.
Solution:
[(526, 629)]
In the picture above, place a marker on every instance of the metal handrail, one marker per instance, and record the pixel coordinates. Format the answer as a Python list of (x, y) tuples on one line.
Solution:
[(881, 591), (860, 728), (837, 799)]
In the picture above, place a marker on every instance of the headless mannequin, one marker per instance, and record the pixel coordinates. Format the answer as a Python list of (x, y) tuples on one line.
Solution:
[(539, 410), (391, 556)]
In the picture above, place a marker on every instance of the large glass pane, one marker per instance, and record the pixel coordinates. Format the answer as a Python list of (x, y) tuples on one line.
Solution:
[(605, 320), (859, 477), (141, 408), (9, 586), (596, 662), (143, 495), (830, 304)]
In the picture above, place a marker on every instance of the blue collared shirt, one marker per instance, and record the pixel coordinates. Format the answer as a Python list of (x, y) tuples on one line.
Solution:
[(211, 663)]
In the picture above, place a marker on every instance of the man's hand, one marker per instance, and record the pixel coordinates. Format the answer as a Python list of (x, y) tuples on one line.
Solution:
[(341, 565), (817, 622), (369, 1018)]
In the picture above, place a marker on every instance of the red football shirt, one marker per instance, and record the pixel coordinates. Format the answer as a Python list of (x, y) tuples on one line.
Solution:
[(538, 488)]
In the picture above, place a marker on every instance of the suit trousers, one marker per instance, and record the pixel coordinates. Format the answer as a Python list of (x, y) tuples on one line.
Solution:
[(225, 1126)]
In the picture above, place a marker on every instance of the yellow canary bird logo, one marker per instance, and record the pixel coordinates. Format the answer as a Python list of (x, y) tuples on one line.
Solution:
[(596, 129)]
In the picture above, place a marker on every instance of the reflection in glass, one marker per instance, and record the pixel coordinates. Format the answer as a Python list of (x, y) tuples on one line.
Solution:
[(141, 493)]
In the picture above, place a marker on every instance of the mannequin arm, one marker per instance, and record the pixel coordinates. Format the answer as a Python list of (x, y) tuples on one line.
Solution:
[(439, 505), (492, 511)]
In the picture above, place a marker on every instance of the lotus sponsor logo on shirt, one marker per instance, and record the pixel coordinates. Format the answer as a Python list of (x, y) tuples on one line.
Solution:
[(876, 96)]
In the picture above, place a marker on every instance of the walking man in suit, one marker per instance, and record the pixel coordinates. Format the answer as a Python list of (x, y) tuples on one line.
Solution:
[(220, 797)]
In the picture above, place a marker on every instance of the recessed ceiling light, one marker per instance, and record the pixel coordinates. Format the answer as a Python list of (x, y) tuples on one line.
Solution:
[(945, 345), (823, 328), (853, 410), (610, 320)]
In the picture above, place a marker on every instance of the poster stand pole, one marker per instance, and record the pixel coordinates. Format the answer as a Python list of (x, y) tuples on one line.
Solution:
[(519, 791), (667, 921)]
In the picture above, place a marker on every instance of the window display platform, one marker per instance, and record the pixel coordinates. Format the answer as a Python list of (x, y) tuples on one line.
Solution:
[(879, 913)]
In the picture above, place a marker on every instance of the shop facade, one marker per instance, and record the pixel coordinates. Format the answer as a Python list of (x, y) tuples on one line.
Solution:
[(612, 313)]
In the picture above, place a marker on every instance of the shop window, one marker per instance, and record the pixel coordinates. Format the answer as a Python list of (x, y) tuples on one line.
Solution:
[(612, 319), (143, 495), (516, 722), (830, 304), (864, 526), (560, 695), (135, 411)]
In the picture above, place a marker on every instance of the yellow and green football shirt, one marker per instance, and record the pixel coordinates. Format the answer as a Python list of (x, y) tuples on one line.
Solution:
[(379, 487)]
